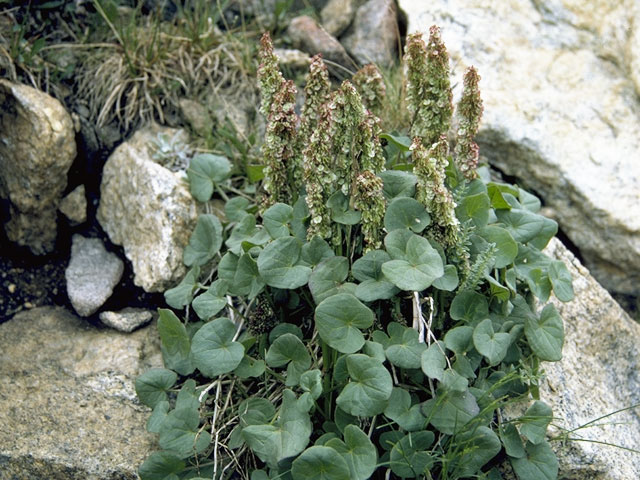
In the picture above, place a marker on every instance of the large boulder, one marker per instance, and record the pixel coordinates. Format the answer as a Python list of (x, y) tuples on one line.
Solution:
[(68, 408), (597, 377), (147, 209), (561, 96), (37, 149)]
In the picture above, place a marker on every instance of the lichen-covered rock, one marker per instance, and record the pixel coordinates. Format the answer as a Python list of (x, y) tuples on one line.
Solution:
[(310, 37), (559, 82), (337, 15), (37, 149), (148, 210), (292, 58), (74, 206), (373, 37), (68, 408), (126, 320), (597, 376), (92, 274)]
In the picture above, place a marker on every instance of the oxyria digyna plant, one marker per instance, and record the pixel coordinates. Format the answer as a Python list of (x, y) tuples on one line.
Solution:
[(372, 310)]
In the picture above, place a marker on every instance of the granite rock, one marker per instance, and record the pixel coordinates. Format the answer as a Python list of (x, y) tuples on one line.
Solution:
[(68, 400), (561, 101), (37, 149), (337, 15), (126, 320), (74, 206), (147, 209)]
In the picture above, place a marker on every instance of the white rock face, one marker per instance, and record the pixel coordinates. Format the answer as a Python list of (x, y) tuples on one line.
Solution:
[(91, 275), (597, 375), (148, 210), (561, 90), (37, 148)]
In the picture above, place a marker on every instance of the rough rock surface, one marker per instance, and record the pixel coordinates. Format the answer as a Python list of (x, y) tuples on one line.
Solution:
[(67, 403), (597, 375), (36, 152), (373, 37), (310, 37), (74, 206), (92, 274), (562, 101), (197, 116), (126, 320), (337, 15), (148, 210), (292, 58)]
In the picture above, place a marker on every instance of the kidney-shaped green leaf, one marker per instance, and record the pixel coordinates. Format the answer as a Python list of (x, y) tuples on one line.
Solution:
[(405, 212), (339, 319), (407, 416), (320, 463), (409, 458), (370, 387), (361, 455), (161, 466), (180, 433), (276, 218), (540, 463), (204, 170), (278, 267), (327, 277), (214, 350), (152, 385), (493, 346), (418, 269), (175, 342), (289, 349), (546, 334)]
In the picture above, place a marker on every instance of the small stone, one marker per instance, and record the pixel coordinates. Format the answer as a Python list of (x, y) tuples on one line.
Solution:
[(126, 320), (337, 15), (28, 305), (292, 58), (310, 37), (74, 206), (196, 115), (12, 288), (91, 275)]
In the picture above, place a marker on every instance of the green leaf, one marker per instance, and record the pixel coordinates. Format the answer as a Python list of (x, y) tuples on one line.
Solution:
[(398, 184), (255, 173), (405, 212), (227, 269), (521, 224), (286, 437), (396, 243), (495, 195), (338, 320), (255, 411), (214, 350), (448, 281), (374, 350), (283, 328), (320, 463), (450, 411), (327, 278), (407, 416), (370, 387), (419, 268), (453, 381), (433, 361), (368, 270), (475, 208), (247, 280), (401, 142), (311, 381), (205, 241), (278, 267), (540, 463), (506, 246), (212, 301), (561, 280), (409, 458), (493, 346), (538, 282), (460, 339), (338, 203), (546, 334), (405, 350), (358, 451), (152, 385), (289, 349), (180, 433), (300, 217), (249, 367), (157, 417), (479, 446), (546, 233), (204, 171), (315, 251), (529, 201), (535, 422), (276, 218), (469, 306), (182, 294), (175, 342), (236, 209), (512, 441), (161, 466), (246, 231)]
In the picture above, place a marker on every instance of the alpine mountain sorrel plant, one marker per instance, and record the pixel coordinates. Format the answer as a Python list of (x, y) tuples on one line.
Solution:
[(381, 313)]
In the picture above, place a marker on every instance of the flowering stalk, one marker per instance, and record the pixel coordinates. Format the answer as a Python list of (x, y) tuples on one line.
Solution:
[(369, 199), (429, 97), (319, 178), (469, 113), (280, 159), (370, 85), (270, 79), (429, 166)]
